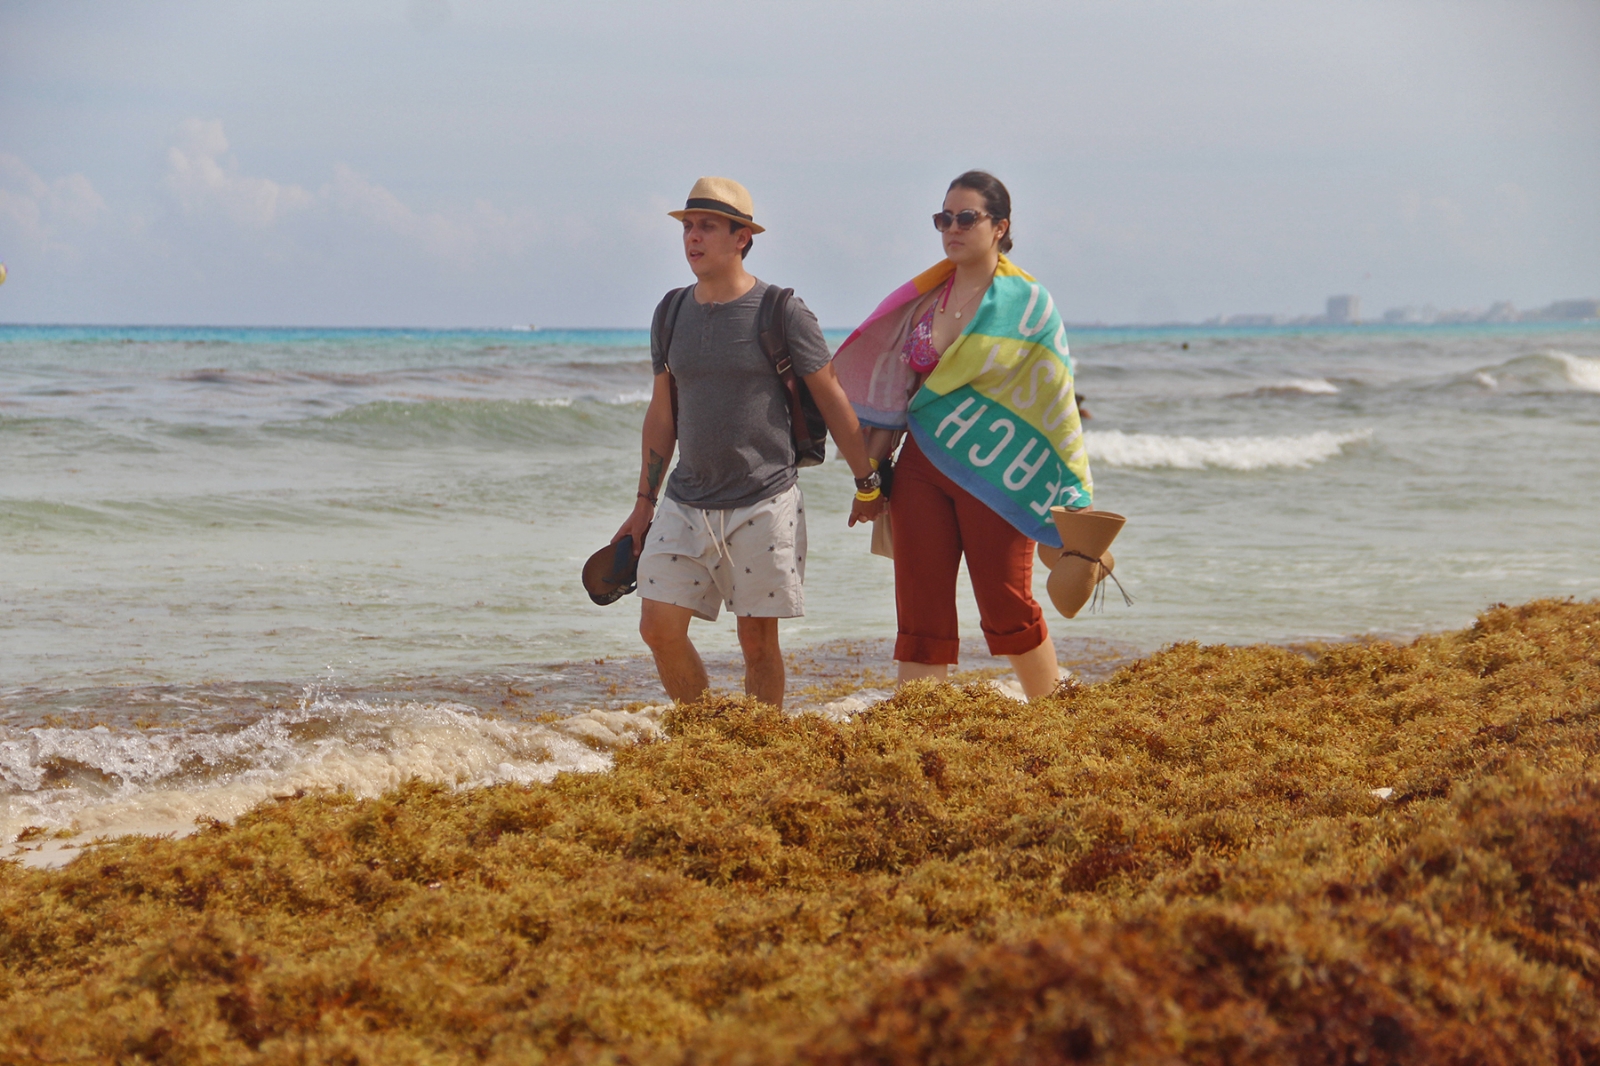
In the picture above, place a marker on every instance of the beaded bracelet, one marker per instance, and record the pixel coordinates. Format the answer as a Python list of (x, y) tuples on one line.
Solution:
[(645, 496)]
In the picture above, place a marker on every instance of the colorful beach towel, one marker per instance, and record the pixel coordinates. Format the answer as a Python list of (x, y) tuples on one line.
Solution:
[(998, 415)]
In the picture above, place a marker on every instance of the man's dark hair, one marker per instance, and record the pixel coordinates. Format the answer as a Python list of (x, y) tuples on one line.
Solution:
[(734, 226), (996, 200)]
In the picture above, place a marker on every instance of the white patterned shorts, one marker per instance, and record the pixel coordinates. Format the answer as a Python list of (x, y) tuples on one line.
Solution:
[(751, 558)]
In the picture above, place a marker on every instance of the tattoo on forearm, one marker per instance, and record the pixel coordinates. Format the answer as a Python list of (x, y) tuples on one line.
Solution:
[(653, 469)]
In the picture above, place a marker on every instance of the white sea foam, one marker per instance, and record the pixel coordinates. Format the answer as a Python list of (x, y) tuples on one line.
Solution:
[(1547, 371), (105, 783), (96, 783), (1583, 373), (1010, 688), (1306, 386), (1148, 450), (846, 707)]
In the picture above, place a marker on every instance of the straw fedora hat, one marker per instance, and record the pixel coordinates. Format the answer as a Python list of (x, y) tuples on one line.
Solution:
[(1083, 560), (721, 196)]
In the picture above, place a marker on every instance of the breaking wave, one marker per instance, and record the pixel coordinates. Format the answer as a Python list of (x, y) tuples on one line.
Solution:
[(1148, 450), (99, 782), (1548, 371), (1298, 387)]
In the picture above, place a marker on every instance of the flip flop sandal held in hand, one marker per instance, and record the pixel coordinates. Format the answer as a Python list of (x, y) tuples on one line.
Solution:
[(612, 572)]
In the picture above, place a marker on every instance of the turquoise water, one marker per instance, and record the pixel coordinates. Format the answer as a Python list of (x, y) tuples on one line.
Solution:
[(205, 521)]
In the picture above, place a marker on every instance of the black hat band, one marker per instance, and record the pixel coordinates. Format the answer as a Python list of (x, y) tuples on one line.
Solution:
[(702, 204)]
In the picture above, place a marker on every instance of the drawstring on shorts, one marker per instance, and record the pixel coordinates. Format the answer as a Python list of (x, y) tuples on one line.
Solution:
[(720, 541)]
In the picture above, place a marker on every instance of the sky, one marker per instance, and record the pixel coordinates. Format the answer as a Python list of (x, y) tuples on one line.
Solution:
[(479, 163)]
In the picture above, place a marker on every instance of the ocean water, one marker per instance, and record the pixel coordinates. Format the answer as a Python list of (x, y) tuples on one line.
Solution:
[(239, 563)]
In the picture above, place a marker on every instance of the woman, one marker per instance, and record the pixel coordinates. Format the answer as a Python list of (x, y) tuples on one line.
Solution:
[(969, 362)]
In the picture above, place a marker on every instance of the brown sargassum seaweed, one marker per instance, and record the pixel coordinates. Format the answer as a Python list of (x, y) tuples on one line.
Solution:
[(1185, 863)]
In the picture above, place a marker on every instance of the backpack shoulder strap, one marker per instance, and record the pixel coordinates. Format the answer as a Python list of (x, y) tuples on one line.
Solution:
[(773, 325), (663, 320), (661, 324)]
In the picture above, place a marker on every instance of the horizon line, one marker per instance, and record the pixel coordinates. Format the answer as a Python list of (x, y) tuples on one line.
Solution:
[(1209, 326)]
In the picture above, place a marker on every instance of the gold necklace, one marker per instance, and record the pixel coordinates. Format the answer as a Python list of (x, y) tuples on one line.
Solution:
[(963, 304)]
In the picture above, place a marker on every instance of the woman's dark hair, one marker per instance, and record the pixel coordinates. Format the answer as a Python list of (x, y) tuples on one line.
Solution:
[(996, 200)]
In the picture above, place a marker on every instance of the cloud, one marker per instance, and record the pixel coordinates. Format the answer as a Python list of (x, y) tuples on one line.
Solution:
[(37, 212), (459, 235), (206, 181), (204, 178)]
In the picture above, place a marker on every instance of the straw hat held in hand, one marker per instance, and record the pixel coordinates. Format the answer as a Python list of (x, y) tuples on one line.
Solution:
[(1084, 560)]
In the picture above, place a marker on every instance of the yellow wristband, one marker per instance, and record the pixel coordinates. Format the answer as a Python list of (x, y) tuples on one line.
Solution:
[(868, 497)]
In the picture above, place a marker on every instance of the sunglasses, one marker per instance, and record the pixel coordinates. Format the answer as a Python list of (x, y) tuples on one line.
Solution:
[(961, 220)]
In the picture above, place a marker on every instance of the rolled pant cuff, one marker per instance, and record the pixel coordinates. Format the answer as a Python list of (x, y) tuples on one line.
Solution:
[(1019, 643), (930, 651)]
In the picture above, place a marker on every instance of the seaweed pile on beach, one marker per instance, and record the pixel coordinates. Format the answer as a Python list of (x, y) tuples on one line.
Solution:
[(1374, 853)]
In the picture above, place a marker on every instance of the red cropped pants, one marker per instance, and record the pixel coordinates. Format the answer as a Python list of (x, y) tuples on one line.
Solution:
[(934, 522)]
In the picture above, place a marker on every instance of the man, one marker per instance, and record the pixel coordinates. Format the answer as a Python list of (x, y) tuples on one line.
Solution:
[(729, 525)]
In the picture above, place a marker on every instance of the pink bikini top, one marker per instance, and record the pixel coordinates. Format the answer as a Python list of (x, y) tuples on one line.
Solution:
[(918, 351)]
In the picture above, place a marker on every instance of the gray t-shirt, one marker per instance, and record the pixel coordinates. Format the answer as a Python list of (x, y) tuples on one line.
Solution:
[(734, 443)]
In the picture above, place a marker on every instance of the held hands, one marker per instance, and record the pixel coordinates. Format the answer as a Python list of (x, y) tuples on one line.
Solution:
[(871, 495), (868, 512)]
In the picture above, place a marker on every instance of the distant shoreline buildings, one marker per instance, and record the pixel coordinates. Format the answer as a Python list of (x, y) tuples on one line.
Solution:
[(1345, 310)]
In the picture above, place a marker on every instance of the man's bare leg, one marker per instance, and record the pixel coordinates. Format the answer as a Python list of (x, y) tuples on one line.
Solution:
[(763, 659), (1037, 670), (921, 671), (665, 628)]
